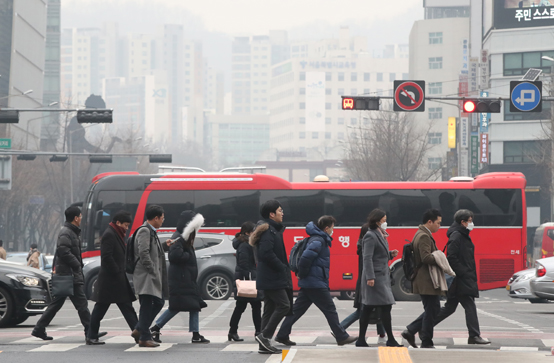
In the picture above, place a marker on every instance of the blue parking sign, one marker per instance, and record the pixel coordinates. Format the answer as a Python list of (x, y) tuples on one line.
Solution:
[(525, 96)]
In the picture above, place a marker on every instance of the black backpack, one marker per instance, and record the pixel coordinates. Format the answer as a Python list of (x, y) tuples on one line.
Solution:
[(409, 262), (296, 252), (130, 259)]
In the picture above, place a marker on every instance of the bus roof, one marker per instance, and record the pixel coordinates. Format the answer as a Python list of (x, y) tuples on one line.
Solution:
[(199, 181)]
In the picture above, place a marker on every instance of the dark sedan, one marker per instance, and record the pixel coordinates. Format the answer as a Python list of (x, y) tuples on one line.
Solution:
[(23, 292)]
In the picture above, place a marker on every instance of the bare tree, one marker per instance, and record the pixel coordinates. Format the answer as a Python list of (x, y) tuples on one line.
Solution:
[(390, 147)]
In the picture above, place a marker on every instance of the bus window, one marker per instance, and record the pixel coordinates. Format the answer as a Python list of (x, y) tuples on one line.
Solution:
[(173, 202), (227, 208), (299, 206)]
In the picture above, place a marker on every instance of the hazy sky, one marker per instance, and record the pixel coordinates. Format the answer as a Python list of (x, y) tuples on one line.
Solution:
[(240, 17)]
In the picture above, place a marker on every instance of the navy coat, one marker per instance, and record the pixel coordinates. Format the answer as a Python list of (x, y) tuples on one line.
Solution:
[(314, 264)]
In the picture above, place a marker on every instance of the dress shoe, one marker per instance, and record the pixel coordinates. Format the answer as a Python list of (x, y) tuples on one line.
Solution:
[(234, 337), (427, 346), (102, 333), (41, 334), (136, 335), (361, 343), (477, 340), (410, 338), (350, 339), (393, 343), (200, 340), (148, 344), (94, 342), (285, 341)]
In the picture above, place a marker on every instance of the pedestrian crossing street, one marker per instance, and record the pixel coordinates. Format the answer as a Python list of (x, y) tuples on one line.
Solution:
[(219, 342)]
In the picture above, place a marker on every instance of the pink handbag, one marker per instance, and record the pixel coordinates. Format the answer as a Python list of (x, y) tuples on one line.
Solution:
[(246, 288)]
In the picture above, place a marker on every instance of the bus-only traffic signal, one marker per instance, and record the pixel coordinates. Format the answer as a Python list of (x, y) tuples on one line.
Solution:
[(471, 105), (360, 103)]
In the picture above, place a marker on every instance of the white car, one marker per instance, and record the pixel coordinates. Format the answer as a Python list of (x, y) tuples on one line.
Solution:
[(543, 284), (519, 286)]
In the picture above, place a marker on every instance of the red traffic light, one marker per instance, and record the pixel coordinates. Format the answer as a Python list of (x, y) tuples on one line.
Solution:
[(348, 103), (469, 106)]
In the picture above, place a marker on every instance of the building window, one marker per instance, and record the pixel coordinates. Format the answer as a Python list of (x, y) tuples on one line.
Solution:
[(302, 120), (405, 76), (366, 91), (435, 88), (341, 120), (435, 138), (516, 64), (435, 63), (354, 77), (302, 105), (366, 77), (327, 105), (302, 135), (302, 91), (340, 136), (435, 38), (328, 76), (302, 76), (327, 120), (353, 92), (341, 91), (522, 152), (328, 91), (435, 113), (392, 77), (379, 77), (353, 121), (434, 163), (328, 135), (341, 76)]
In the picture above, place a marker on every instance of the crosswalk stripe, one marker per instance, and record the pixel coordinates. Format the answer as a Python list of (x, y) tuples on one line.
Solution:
[(121, 339), (33, 340), (161, 348), (519, 348), (548, 342), (60, 347), (241, 348)]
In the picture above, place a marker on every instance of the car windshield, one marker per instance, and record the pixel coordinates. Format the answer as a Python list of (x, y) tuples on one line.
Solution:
[(19, 258)]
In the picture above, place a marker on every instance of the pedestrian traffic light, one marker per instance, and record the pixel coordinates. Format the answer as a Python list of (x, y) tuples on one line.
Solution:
[(95, 116), (360, 103), (480, 105)]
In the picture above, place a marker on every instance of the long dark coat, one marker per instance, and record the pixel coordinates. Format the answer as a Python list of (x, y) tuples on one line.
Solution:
[(460, 252), (246, 265), (184, 294), (112, 285)]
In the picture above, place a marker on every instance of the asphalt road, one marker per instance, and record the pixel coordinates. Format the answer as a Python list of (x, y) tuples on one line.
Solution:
[(516, 329)]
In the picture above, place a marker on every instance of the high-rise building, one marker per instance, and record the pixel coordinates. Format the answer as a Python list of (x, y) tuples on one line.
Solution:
[(22, 67)]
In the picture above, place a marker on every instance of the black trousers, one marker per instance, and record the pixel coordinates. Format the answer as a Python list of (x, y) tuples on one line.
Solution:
[(324, 302), (100, 310), (426, 322), (80, 302), (240, 306), (150, 306), (468, 303), (276, 307)]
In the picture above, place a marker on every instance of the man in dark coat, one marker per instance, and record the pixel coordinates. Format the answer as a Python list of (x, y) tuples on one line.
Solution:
[(313, 279), (67, 261), (424, 245), (112, 286), (273, 272)]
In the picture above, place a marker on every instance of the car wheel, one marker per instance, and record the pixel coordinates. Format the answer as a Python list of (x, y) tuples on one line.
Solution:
[(347, 295), (6, 307), (91, 286), (402, 288), (217, 286), (18, 320), (538, 301)]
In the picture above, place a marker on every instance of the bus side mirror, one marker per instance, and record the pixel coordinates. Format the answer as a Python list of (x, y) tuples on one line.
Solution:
[(550, 233), (98, 219)]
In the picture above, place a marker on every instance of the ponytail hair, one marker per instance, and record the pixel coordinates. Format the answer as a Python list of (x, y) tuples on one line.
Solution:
[(247, 227)]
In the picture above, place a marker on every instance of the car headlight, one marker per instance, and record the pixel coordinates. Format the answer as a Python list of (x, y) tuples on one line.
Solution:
[(524, 278), (26, 280)]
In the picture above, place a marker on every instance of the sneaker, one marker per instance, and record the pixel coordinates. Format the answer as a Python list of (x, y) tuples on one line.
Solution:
[(200, 340), (410, 338), (348, 340), (262, 350), (477, 340), (264, 342), (285, 341)]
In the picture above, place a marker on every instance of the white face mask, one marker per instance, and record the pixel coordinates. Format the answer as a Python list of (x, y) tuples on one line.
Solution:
[(470, 226), (331, 234), (384, 226)]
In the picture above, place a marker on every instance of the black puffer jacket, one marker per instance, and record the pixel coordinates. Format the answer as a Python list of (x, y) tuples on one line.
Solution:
[(273, 265), (68, 253), (184, 294), (460, 252), (246, 265)]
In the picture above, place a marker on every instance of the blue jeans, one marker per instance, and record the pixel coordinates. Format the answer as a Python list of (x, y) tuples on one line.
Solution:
[(194, 319), (351, 319)]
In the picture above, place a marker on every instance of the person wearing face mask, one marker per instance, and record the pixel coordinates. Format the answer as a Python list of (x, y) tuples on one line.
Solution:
[(376, 288), (461, 256), (313, 280)]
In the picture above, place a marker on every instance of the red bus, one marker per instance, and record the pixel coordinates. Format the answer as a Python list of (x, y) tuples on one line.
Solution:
[(227, 200)]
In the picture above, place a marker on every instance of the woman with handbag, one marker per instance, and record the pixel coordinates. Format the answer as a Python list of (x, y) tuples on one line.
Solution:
[(184, 294), (375, 287), (245, 270)]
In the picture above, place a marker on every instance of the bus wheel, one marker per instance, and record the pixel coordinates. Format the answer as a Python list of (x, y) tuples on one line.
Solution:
[(217, 286), (402, 288)]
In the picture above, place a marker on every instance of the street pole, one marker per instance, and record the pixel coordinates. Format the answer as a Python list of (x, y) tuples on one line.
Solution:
[(70, 169)]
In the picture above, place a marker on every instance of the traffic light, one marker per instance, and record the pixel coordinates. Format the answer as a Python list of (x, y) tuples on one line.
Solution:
[(99, 158), (9, 117), (95, 116), (160, 158), (360, 103), (471, 105)]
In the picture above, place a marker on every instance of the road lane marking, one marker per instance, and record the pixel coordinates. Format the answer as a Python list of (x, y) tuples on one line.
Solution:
[(290, 356), (510, 321), (56, 347), (393, 355)]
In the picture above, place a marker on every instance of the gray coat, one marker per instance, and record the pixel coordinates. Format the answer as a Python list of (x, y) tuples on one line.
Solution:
[(150, 276), (376, 256)]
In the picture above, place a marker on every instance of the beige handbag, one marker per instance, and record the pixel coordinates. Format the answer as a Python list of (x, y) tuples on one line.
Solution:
[(246, 288)]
